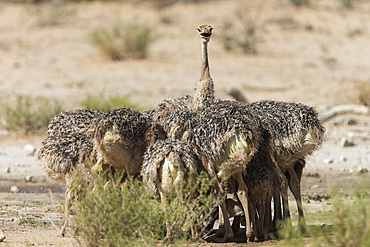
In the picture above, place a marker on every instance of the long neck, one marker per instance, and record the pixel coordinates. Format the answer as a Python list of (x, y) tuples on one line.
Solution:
[(204, 94), (204, 73)]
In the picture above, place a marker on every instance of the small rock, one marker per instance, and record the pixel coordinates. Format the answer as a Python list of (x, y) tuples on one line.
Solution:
[(342, 158), (7, 169), (2, 236), (351, 121), (345, 142), (14, 189), (28, 178), (362, 170), (29, 149), (350, 171), (328, 161)]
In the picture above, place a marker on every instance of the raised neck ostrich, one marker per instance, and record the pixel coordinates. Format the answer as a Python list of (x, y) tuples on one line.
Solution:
[(204, 94)]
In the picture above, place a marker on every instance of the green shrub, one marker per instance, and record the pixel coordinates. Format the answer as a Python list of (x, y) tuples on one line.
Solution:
[(102, 102), (29, 114), (109, 215), (123, 41)]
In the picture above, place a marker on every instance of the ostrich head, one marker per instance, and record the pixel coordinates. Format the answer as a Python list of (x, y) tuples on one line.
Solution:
[(205, 32)]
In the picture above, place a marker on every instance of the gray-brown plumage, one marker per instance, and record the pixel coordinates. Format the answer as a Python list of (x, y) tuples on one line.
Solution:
[(295, 132), (72, 122), (169, 105), (170, 166), (179, 123), (220, 138), (295, 129), (167, 163), (122, 136), (68, 142), (227, 144), (69, 146), (62, 154)]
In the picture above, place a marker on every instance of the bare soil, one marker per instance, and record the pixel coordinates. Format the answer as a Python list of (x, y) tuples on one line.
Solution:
[(317, 55)]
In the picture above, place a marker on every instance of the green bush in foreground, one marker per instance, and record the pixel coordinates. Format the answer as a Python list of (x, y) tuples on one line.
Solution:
[(107, 215), (351, 223), (29, 114)]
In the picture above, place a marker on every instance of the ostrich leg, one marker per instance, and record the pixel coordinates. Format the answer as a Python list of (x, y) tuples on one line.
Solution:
[(295, 186), (242, 194)]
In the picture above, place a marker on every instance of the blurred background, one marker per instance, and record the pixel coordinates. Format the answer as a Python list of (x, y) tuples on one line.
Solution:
[(66, 54)]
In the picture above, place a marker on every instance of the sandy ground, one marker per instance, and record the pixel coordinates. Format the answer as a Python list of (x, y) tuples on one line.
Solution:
[(317, 55)]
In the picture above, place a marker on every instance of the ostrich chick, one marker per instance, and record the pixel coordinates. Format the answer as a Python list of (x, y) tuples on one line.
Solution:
[(295, 132), (62, 156), (169, 164), (204, 94), (121, 138), (226, 145)]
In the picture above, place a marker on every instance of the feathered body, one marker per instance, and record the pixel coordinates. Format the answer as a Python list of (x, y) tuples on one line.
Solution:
[(66, 153), (295, 129), (71, 122), (121, 138), (69, 143), (227, 142), (170, 163), (179, 123), (169, 105)]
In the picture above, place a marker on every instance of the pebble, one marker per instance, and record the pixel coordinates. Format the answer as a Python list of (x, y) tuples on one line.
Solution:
[(28, 178), (7, 169), (14, 189), (328, 161), (29, 149), (2, 236), (352, 121), (342, 158), (346, 142)]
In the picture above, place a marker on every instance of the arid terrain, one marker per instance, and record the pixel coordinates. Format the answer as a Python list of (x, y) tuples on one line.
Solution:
[(318, 55)]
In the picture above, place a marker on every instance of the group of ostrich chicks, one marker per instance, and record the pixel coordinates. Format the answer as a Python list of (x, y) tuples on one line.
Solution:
[(257, 149)]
